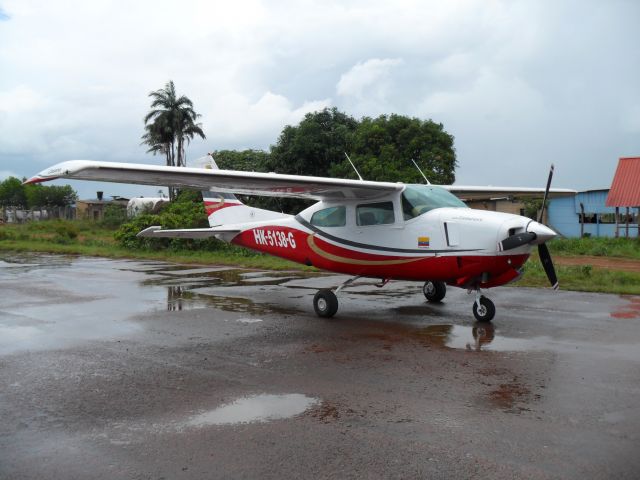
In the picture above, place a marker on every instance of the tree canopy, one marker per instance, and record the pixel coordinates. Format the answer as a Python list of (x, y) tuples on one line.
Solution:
[(314, 145), (381, 148), (14, 194), (245, 160)]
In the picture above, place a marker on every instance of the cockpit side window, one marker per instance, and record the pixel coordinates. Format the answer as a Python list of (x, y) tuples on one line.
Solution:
[(419, 199), (330, 217), (380, 213)]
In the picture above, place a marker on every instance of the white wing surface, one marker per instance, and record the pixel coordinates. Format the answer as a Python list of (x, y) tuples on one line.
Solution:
[(248, 183), (264, 184), (467, 192)]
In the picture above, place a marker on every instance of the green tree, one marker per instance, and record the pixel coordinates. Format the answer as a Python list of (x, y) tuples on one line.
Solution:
[(244, 160), (12, 193), (170, 125), (383, 147), (532, 207), (49, 196), (314, 145)]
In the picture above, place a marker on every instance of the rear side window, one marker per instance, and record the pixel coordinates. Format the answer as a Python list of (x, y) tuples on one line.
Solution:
[(330, 217), (375, 213)]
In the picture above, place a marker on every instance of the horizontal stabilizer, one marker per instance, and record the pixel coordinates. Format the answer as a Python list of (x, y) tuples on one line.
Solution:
[(157, 232)]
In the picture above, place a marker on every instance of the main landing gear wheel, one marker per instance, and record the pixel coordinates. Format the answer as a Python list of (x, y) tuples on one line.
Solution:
[(484, 310), (325, 303), (434, 291)]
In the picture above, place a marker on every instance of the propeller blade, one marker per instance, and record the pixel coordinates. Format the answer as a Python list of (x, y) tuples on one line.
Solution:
[(517, 240), (546, 193), (547, 264)]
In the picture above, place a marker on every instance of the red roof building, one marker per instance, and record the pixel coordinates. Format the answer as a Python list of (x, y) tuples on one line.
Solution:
[(625, 189)]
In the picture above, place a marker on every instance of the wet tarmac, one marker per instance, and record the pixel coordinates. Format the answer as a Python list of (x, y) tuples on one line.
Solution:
[(127, 369)]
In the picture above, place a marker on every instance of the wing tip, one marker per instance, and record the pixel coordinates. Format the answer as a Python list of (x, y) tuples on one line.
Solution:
[(38, 179)]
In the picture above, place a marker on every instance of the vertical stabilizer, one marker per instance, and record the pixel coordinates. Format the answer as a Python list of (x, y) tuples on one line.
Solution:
[(224, 208)]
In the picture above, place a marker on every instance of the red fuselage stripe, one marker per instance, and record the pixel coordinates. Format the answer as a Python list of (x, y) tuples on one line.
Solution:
[(302, 247)]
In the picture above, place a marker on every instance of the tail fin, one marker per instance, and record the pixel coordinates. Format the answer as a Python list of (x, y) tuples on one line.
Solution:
[(225, 208)]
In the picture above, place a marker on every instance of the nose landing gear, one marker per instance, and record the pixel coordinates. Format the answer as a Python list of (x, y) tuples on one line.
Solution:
[(483, 309)]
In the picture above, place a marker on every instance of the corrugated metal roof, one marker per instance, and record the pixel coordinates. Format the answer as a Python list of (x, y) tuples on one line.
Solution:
[(625, 189)]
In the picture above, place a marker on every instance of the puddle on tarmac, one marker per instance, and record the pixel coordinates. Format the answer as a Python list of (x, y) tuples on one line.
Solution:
[(182, 298), (257, 408), (25, 262), (475, 338)]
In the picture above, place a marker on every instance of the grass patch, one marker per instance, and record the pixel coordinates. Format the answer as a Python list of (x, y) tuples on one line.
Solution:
[(598, 247), (582, 278), (92, 239)]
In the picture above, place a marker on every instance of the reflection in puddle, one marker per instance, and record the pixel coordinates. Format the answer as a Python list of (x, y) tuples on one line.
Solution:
[(184, 298), (257, 408), (455, 336), (479, 337), (629, 310), (25, 262), (12, 334), (476, 338), (249, 320), (179, 298)]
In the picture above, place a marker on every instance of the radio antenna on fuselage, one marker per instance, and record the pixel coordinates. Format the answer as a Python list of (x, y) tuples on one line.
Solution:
[(421, 172), (354, 167)]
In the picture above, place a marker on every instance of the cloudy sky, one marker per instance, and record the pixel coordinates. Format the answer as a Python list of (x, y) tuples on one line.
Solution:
[(520, 84)]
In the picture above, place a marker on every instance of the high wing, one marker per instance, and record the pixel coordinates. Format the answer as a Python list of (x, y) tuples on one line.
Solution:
[(479, 193), (264, 184), (248, 183)]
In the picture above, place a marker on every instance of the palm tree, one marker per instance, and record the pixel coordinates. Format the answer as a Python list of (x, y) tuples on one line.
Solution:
[(169, 125)]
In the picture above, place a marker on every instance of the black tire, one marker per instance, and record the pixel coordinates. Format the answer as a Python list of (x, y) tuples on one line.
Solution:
[(487, 310), (434, 291), (325, 303)]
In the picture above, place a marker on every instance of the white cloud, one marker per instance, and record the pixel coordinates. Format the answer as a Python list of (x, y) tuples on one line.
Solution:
[(515, 82), (365, 75), (235, 117), (18, 99)]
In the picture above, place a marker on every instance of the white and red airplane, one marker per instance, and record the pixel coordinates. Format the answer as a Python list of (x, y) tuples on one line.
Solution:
[(389, 231)]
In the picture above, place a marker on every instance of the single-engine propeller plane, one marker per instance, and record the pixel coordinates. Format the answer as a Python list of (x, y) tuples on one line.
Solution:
[(381, 230)]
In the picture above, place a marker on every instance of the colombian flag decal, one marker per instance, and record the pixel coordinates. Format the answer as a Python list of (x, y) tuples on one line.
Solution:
[(423, 241)]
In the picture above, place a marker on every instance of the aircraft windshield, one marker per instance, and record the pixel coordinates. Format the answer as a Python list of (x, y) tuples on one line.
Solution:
[(419, 199)]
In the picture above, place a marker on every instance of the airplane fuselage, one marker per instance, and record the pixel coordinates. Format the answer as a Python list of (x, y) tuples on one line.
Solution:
[(388, 238)]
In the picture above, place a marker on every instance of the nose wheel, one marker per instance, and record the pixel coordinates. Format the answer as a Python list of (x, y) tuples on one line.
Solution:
[(483, 309)]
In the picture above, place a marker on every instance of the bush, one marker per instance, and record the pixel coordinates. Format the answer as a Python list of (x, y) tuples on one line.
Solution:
[(65, 231), (6, 234), (187, 211), (126, 234), (586, 270), (114, 216)]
